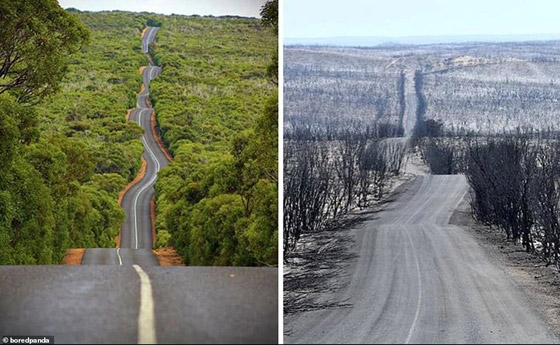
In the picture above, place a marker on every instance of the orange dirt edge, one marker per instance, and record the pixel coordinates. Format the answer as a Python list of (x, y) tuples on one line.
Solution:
[(153, 215), (150, 58), (127, 117), (137, 179), (158, 139), (74, 256), (168, 256)]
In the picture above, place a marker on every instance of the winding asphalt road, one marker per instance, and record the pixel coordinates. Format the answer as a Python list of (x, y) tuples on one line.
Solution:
[(136, 231), (418, 279), (121, 295)]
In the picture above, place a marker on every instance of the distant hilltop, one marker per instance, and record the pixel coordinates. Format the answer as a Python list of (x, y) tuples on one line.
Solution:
[(366, 41)]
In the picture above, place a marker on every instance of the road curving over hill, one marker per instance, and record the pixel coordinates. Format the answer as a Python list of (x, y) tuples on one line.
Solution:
[(418, 279), (121, 295), (136, 231)]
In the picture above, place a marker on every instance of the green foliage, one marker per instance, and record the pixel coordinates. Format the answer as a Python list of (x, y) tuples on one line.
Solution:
[(153, 22), (269, 14), (216, 202), (44, 208), (213, 222), (65, 160), (37, 37), (218, 198), (110, 183), (163, 238), (27, 210), (98, 218)]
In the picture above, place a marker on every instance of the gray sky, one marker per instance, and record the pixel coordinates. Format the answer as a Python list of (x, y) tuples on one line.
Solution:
[(245, 8), (398, 18)]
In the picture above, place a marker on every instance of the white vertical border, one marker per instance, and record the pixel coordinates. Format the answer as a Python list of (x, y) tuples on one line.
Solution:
[(280, 172)]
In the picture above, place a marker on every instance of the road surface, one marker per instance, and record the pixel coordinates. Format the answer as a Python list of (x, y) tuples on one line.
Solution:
[(411, 104), (418, 279), (411, 164), (136, 231), (100, 304), (121, 295)]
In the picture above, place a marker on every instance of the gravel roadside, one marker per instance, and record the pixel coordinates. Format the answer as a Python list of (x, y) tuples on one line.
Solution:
[(540, 284)]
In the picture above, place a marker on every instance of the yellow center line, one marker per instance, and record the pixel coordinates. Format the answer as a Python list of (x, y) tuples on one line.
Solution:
[(146, 318)]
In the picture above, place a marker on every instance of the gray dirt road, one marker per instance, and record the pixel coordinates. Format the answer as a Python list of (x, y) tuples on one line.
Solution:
[(100, 304), (418, 279), (411, 104)]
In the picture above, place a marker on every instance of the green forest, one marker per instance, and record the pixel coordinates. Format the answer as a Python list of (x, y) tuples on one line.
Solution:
[(216, 109), (67, 150)]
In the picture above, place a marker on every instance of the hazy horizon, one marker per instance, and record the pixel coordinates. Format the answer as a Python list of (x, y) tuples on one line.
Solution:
[(315, 19), (417, 40), (244, 8)]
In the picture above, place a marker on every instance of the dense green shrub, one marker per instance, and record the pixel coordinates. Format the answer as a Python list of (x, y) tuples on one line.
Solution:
[(65, 158), (217, 112)]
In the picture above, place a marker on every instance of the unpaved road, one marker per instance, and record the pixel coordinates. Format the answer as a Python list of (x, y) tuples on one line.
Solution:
[(411, 104), (418, 279)]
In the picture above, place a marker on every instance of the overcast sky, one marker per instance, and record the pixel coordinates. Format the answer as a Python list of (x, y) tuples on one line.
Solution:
[(245, 8), (398, 18)]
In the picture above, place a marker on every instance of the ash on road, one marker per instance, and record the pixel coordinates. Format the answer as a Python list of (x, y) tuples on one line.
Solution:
[(419, 279)]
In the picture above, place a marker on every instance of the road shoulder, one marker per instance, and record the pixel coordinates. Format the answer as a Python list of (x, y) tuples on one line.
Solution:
[(314, 272), (73, 256), (539, 283)]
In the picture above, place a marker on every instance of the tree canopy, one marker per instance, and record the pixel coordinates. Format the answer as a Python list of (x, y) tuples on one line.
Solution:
[(217, 111), (64, 159), (37, 37), (269, 14)]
